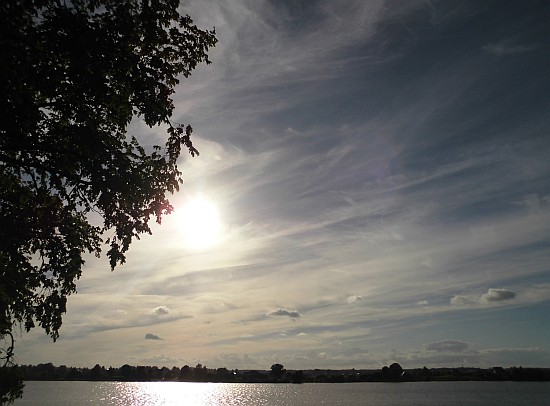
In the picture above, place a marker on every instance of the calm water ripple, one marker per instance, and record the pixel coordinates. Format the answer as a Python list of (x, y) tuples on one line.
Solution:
[(372, 394)]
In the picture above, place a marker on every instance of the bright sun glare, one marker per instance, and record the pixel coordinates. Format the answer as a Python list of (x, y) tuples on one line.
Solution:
[(201, 223)]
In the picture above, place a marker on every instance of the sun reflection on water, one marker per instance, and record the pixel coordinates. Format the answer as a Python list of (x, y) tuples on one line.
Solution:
[(187, 393), (165, 393)]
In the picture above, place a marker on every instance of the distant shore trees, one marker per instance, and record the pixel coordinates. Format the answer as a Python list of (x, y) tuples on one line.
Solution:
[(200, 373)]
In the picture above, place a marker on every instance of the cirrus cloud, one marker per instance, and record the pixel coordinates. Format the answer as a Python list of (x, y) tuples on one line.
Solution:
[(447, 346)]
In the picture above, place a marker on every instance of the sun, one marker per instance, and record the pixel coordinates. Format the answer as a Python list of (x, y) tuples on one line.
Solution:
[(201, 224)]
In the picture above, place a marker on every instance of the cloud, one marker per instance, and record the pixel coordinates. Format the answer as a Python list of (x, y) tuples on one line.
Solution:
[(161, 310), (492, 295), (385, 194), (497, 295), (447, 346), (461, 300), (161, 360), (217, 307), (354, 299), (506, 48), (513, 350), (151, 336), (285, 312), (535, 204)]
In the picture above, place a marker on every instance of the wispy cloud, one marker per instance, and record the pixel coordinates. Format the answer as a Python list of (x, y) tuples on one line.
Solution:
[(507, 47), (354, 299), (460, 300), (389, 161), (447, 346)]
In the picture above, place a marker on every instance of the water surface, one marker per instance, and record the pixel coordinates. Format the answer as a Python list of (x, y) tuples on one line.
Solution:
[(373, 394)]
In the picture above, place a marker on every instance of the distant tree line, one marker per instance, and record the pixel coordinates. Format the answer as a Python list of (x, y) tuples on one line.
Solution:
[(278, 374)]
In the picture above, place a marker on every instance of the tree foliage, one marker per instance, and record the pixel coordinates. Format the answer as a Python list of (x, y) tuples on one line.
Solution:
[(277, 370), (73, 74)]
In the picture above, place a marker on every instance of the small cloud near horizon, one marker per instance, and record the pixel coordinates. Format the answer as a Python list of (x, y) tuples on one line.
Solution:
[(285, 312), (151, 336), (354, 299), (497, 295), (161, 310), (492, 295), (461, 300)]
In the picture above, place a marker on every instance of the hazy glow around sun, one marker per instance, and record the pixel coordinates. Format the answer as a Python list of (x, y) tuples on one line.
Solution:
[(201, 224)]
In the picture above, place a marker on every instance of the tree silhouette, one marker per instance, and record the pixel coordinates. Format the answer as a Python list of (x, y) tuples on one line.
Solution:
[(277, 371), (396, 370), (73, 75), (393, 372)]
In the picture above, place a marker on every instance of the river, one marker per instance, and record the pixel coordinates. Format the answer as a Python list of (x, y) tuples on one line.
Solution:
[(372, 394)]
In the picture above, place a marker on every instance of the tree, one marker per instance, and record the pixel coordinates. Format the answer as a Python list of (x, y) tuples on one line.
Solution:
[(11, 384), (395, 371), (72, 77), (277, 370)]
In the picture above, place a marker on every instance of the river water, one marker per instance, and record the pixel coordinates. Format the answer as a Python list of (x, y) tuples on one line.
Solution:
[(372, 394)]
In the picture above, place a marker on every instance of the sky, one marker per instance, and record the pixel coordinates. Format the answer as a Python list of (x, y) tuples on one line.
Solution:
[(372, 187)]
